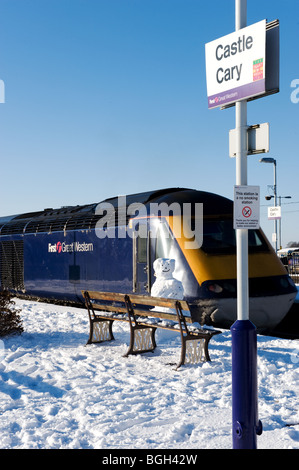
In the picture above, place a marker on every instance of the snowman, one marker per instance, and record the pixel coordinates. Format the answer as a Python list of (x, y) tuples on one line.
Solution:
[(165, 284)]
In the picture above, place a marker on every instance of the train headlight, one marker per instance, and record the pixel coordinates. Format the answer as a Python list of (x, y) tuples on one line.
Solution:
[(215, 288)]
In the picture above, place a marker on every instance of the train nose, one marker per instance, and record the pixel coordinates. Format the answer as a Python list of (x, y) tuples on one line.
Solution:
[(264, 312), (270, 311)]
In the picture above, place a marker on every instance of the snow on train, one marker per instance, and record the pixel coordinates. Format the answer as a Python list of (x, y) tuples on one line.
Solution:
[(54, 254)]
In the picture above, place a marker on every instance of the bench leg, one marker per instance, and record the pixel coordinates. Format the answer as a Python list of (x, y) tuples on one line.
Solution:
[(100, 331), (194, 350), (142, 339)]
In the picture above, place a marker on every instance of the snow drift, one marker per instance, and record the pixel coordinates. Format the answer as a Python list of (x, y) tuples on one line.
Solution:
[(57, 393)]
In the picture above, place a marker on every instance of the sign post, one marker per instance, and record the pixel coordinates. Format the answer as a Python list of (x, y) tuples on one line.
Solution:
[(245, 424), (236, 72), (240, 67)]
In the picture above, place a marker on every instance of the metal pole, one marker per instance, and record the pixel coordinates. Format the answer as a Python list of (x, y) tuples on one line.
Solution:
[(275, 203), (242, 234), (244, 343), (241, 179), (279, 203)]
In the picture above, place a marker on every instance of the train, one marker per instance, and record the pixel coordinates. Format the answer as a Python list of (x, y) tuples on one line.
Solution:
[(55, 254)]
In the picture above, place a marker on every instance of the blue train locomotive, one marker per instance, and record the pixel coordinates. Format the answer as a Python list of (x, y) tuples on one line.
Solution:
[(55, 254)]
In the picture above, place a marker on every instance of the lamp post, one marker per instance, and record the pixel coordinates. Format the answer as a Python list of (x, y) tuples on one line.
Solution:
[(272, 160), (279, 199)]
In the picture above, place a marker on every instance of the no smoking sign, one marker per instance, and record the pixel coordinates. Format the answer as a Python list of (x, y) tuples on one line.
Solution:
[(246, 211), (246, 207)]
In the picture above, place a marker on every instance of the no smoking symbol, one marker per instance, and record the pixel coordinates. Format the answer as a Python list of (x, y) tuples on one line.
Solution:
[(246, 211)]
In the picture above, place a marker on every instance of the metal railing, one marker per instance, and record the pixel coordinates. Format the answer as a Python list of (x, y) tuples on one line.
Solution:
[(291, 263)]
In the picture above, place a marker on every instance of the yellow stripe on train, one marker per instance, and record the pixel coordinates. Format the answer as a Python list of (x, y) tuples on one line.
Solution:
[(207, 266)]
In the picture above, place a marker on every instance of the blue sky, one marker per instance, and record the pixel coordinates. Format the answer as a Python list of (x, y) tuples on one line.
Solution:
[(108, 97)]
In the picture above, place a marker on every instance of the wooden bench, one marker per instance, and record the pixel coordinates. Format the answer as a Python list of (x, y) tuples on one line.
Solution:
[(143, 321)]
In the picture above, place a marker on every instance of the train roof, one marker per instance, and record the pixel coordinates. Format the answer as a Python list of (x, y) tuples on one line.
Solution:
[(86, 216)]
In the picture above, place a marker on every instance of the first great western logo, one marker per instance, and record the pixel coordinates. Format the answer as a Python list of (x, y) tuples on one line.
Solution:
[(74, 247)]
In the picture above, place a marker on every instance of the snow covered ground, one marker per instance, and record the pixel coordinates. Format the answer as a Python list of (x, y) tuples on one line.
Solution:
[(56, 393)]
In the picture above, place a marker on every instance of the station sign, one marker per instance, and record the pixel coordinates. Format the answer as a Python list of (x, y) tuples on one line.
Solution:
[(236, 65), (274, 212), (246, 207)]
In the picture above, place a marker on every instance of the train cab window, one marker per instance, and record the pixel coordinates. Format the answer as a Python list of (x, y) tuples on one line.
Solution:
[(255, 239), (219, 237)]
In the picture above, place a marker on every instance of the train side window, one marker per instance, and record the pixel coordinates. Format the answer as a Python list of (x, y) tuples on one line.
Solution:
[(141, 250), (164, 242)]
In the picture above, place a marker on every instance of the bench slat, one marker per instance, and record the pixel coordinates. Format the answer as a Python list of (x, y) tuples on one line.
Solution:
[(109, 308), (156, 314), (111, 296), (157, 301), (143, 313)]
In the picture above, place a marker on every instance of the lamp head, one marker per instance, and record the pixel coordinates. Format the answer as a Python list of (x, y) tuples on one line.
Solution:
[(268, 160)]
